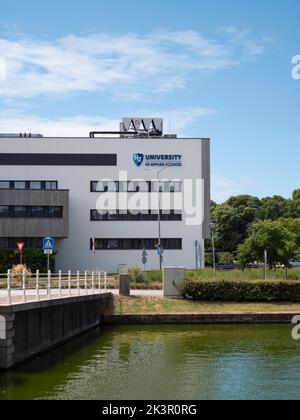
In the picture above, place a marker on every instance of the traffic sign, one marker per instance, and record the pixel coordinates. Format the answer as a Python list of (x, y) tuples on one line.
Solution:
[(20, 246), (48, 244), (48, 251)]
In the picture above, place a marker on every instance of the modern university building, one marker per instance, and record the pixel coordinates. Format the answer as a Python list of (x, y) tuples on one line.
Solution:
[(109, 197)]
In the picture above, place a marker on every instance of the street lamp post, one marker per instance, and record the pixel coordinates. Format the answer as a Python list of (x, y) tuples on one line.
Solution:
[(158, 173), (212, 226)]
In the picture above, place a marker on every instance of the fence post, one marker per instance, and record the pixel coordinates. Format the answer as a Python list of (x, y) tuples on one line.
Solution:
[(9, 286), (49, 285), (24, 286), (105, 281), (78, 281), (85, 282), (59, 283), (93, 282), (99, 281), (37, 284), (69, 283)]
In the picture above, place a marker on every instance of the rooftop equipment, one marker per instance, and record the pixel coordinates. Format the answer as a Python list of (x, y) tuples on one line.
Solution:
[(136, 128)]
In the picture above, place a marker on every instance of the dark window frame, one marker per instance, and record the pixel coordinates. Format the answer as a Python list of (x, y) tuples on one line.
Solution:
[(136, 244)]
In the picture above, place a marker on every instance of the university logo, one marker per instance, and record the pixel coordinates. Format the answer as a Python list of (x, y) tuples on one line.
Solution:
[(138, 159)]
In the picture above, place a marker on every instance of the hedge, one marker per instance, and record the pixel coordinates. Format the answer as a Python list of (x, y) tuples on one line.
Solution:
[(259, 291), (33, 258)]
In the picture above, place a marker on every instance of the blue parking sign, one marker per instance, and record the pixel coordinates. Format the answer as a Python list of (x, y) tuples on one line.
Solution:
[(48, 244)]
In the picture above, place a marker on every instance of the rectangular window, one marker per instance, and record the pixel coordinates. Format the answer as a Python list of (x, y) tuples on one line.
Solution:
[(136, 244), (37, 212), (51, 185), (104, 186), (20, 211), (4, 211), (35, 185), (4, 185), (149, 216), (20, 185), (55, 212)]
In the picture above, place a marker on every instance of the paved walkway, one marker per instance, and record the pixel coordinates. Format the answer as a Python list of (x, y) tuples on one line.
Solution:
[(18, 297)]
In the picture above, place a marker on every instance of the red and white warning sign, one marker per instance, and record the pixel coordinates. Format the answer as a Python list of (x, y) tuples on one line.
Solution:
[(20, 246)]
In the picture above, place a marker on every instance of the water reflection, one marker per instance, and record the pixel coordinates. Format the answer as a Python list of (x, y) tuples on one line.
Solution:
[(170, 362)]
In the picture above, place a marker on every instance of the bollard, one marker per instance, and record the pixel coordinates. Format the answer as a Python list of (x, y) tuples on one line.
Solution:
[(37, 284), (49, 285), (24, 286), (69, 283), (59, 284), (105, 282), (9, 286)]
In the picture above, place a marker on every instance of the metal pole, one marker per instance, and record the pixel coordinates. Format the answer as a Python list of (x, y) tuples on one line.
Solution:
[(159, 224), (59, 283), (105, 281), (69, 283), (93, 282), (37, 285), (24, 286), (266, 265), (49, 285), (48, 262), (85, 282), (78, 280), (9, 286), (99, 281), (214, 250), (21, 258)]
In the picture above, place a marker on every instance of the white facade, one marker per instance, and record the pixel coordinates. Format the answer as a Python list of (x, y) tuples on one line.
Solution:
[(74, 252)]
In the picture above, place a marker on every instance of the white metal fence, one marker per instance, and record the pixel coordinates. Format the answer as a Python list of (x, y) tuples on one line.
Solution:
[(34, 287)]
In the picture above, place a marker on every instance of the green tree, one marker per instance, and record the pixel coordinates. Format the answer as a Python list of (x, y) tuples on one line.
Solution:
[(273, 208), (273, 236), (296, 195), (232, 220)]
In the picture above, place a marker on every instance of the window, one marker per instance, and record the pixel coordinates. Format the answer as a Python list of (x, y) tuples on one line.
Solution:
[(35, 185), (4, 211), (147, 216), (11, 243), (20, 211), (167, 186), (37, 212), (20, 185), (51, 185), (55, 212), (29, 185), (135, 244), (104, 186), (4, 185)]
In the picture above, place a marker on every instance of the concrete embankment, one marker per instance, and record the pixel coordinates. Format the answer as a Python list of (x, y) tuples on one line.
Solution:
[(29, 329), (236, 318)]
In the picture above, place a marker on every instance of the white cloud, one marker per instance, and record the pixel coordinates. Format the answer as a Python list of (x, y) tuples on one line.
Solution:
[(225, 187), (80, 126), (131, 63)]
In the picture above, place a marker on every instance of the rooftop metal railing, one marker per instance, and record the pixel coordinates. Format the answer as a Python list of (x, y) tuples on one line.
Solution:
[(40, 286)]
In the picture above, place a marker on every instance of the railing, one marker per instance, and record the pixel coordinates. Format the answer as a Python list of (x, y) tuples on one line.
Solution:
[(41, 286)]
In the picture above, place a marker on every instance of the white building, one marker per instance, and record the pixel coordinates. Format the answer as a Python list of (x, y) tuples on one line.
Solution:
[(51, 187)]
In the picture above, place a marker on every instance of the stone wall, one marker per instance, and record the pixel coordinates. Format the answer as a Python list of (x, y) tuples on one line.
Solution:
[(29, 329)]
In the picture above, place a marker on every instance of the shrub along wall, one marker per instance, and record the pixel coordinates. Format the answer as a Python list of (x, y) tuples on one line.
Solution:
[(224, 291), (33, 258)]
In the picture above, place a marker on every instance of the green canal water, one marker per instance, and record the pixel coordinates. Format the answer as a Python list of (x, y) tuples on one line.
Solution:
[(165, 362)]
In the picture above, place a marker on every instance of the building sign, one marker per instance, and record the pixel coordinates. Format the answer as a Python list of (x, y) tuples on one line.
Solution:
[(157, 160)]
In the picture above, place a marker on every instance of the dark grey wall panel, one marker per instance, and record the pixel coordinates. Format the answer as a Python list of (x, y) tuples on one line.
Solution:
[(35, 228), (39, 159)]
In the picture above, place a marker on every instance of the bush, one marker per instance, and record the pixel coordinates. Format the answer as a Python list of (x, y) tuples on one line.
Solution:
[(136, 275), (34, 259), (256, 291), (18, 270)]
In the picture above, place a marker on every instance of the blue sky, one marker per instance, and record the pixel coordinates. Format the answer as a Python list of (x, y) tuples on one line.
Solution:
[(219, 69)]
